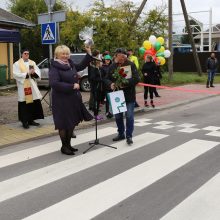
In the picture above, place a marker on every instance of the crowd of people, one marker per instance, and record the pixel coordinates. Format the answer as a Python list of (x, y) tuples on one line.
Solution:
[(67, 106)]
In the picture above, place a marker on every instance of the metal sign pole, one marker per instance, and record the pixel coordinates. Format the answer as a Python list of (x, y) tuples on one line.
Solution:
[(50, 45)]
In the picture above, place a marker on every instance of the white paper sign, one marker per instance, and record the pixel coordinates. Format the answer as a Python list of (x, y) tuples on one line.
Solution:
[(127, 70), (117, 102)]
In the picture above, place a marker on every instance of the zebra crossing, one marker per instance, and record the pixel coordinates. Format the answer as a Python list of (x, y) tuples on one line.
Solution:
[(89, 185)]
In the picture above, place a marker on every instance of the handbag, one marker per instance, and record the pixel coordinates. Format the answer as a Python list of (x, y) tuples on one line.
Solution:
[(117, 102)]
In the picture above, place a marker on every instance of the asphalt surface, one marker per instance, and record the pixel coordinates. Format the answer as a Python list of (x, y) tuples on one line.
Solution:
[(176, 152)]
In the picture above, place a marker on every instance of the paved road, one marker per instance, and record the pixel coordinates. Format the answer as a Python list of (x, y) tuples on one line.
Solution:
[(172, 172)]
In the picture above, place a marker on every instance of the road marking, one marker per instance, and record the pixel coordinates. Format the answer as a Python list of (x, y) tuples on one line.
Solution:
[(164, 127), (189, 130), (46, 175), (97, 199), (51, 147), (142, 122), (214, 134), (186, 125), (203, 204), (211, 128)]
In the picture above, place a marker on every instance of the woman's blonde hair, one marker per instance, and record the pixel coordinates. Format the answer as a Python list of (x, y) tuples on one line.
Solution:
[(61, 49)]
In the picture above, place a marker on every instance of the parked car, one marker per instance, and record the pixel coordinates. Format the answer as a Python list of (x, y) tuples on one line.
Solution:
[(83, 75)]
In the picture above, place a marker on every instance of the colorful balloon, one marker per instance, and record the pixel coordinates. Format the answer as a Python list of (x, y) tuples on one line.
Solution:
[(142, 50), (167, 53), (152, 39), (157, 46), (161, 40), (161, 49), (147, 45), (160, 54), (161, 60), (156, 60), (151, 52)]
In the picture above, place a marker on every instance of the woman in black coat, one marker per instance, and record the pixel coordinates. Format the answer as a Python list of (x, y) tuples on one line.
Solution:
[(67, 106), (149, 74)]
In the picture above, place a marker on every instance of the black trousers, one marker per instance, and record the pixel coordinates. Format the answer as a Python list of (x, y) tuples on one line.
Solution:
[(96, 101), (30, 112)]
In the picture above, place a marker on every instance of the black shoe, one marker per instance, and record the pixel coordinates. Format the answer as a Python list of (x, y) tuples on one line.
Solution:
[(136, 105), (67, 150), (119, 138), (129, 141), (73, 135), (145, 104), (25, 125), (34, 123), (73, 149), (212, 86), (207, 84), (109, 115), (157, 96), (152, 103)]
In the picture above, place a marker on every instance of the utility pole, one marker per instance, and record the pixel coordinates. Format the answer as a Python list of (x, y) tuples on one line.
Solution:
[(195, 54), (170, 33), (138, 13)]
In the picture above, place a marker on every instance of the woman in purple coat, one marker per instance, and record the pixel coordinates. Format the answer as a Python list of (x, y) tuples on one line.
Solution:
[(67, 106)]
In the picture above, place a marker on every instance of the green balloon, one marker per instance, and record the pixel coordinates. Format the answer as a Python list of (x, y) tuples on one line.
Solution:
[(157, 46), (141, 50), (160, 54)]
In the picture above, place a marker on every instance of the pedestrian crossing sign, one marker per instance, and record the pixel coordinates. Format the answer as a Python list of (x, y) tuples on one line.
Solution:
[(48, 33)]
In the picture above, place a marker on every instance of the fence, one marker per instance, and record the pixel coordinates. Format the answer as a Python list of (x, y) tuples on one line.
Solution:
[(184, 62)]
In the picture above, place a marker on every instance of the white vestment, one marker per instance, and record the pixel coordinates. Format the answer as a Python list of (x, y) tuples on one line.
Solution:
[(20, 78)]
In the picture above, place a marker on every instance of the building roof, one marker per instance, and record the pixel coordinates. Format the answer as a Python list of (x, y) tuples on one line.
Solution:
[(215, 33), (12, 20)]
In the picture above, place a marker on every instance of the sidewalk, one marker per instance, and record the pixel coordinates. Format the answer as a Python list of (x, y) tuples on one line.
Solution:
[(14, 133)]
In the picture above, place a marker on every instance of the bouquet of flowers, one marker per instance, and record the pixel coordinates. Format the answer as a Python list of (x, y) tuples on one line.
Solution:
[(120, 77)]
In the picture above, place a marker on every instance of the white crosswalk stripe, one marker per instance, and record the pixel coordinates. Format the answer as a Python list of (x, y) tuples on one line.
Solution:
[(60, 170), (154, 169), (89, 203), (202, 205), (51, 147)]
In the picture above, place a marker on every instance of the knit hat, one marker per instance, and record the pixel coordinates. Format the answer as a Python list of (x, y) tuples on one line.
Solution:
[(107, 57)]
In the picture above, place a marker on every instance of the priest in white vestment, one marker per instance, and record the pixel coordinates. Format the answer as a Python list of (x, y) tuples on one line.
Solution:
[(26, 73)]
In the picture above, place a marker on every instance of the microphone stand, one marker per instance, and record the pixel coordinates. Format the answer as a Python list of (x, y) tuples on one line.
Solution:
[(96, 141)]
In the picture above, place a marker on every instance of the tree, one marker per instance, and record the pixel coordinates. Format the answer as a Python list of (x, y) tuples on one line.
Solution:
[(112, 25), (69, 33)]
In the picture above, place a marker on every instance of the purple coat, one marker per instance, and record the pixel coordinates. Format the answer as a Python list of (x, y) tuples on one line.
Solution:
[(67, 106)]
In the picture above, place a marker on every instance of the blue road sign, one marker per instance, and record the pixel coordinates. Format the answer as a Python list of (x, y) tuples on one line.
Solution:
[(48, 33)]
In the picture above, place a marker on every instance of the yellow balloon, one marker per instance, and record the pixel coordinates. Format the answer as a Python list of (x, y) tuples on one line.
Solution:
[(161, 60), (162, 49), (161, 40), (147, 45)]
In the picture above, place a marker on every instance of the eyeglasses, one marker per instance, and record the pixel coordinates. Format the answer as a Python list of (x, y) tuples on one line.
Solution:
[(26, 53)]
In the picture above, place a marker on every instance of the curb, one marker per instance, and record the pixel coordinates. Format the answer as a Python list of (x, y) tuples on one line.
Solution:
[(139, 110)]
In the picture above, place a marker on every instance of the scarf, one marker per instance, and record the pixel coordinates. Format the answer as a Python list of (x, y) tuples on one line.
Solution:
[(62, 62), (27, 83)]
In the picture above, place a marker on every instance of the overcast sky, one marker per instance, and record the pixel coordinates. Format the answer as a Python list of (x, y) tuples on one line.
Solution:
[(192, 6)]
